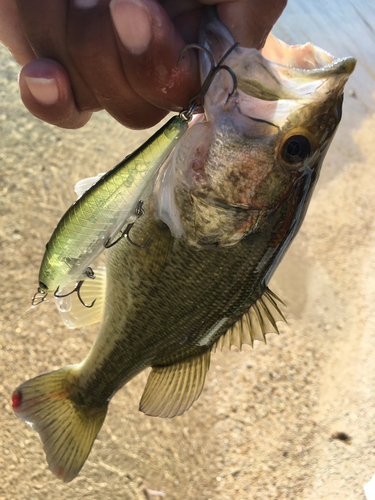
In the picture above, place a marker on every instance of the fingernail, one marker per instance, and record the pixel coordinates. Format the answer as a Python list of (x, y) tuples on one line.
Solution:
[(44, 90), (133, 24), (85, 4)]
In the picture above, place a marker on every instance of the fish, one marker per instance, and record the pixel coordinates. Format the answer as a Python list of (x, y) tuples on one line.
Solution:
[(223, 209)]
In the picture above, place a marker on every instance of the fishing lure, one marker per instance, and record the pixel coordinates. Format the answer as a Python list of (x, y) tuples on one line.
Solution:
[(89, 225)]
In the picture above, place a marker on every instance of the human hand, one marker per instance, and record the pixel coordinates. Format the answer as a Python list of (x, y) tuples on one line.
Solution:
[(80, 56)]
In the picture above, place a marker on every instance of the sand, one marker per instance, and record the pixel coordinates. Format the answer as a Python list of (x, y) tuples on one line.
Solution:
[(269, 421)]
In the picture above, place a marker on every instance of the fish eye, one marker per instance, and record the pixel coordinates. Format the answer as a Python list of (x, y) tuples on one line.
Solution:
[(43, 286), (296, 149)]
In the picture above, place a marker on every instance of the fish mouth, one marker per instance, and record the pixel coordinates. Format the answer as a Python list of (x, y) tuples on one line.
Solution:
[(344, 66), (270, 81), (280, 71), (307, 58)]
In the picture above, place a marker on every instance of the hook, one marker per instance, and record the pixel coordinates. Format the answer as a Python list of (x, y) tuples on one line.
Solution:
[(78, 290), (138, 212), (125, 234), (39, 297), (198, 100), (199, 47), (232, 74)]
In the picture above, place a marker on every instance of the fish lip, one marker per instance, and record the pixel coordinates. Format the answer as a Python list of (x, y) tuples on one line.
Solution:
[(337, 72), (280, 71), (340, 66)]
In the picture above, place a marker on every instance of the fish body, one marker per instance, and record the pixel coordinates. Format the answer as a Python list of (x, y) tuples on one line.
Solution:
[(106, 207), (222, 212)]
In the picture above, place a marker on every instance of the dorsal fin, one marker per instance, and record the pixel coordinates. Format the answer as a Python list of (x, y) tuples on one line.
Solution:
[(172, 389), (259, 320), (76, 315), (85, 184)]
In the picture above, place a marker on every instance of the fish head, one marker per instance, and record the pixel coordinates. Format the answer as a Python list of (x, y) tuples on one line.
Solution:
[(245, 156)]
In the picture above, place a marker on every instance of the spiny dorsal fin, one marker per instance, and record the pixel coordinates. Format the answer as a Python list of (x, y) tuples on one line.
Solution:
[(85, 184), (171, 390), (74, 314), (259, 320)]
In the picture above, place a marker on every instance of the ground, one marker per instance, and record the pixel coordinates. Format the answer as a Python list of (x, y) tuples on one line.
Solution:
[(294, 419)]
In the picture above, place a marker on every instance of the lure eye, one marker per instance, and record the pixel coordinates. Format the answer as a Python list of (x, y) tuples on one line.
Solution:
[(296, 149), (43, 286)]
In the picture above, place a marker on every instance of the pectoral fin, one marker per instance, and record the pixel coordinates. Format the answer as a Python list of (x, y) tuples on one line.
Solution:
[(259, 320), (159, 242), (171, 390)]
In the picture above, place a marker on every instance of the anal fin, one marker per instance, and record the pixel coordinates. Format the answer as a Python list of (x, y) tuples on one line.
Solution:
[(172, 389), (261, 318)]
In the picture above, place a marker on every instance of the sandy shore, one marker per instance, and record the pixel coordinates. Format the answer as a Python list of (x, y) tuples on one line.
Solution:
[(268, 421)]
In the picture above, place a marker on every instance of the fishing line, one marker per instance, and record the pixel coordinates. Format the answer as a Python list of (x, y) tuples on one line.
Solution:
[(256, 119), (19, 316)]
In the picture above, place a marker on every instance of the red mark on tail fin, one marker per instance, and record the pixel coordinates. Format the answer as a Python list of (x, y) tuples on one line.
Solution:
[(60, 473), (16, 399)]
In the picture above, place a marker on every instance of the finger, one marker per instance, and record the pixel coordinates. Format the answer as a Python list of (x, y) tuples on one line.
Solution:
[(44, 23), (250, 21), (47, 94), (93, 48), (150, 46), (11, 33)]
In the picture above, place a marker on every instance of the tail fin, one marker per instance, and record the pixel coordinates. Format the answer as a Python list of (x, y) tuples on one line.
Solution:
[(68, 428)]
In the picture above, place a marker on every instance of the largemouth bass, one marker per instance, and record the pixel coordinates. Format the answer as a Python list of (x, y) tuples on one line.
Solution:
[(219, 218)]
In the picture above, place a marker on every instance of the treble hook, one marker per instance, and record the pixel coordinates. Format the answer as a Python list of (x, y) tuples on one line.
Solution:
[(125, 234), (78, 290), (138, 212), (197, 101), (39, 297)]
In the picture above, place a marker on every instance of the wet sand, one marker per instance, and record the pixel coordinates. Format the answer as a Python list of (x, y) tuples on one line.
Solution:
[(267, 423)]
